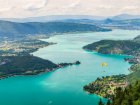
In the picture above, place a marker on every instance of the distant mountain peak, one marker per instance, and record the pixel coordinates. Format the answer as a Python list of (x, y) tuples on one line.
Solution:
[(125, 17)]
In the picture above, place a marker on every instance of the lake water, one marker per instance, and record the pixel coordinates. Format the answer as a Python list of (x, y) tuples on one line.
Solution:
[(65, 86)]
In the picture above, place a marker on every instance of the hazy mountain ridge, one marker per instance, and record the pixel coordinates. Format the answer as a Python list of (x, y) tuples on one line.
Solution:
[(53, 18), (64, 24), (11, 28), (72, 17), (125, 17)]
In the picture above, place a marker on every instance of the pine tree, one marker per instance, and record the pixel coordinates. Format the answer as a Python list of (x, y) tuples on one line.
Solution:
[(130, 101), (108, 102), (100, 102)]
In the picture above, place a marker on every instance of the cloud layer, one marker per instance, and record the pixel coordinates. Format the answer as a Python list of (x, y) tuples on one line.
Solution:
[(32, 8)]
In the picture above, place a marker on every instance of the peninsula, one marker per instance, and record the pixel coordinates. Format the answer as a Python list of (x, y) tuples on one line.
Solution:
[(27, 65), (16, 57)]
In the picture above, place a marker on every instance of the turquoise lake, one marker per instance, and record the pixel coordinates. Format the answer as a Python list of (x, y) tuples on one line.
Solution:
[(65, 86)]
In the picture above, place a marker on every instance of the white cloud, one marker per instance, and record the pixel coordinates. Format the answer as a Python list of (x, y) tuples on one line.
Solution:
[(5, 9), (74, 4), (106, 7), (30, 8), (130, 8), (35, 5)]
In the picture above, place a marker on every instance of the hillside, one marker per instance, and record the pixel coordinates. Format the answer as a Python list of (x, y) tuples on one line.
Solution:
[(115, 47), (121, 24), (10, 29), (137, 39), (21, 65), (130, 88), (27, 65), (127, 96), (135, 75), (128, 47)]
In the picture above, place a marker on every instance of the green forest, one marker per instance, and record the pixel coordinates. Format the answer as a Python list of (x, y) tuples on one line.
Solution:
[(129, 96)]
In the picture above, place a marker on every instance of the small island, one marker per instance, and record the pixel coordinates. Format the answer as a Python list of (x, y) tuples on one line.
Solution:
[(69, 64)]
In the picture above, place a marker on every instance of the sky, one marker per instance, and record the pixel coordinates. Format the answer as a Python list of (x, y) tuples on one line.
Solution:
[(34, 8)]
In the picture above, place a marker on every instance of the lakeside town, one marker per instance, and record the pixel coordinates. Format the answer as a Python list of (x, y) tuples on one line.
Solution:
[(22, 46), (106, 86)]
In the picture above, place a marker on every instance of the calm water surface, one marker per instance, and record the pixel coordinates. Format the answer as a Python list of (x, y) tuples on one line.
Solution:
[(65, 86)]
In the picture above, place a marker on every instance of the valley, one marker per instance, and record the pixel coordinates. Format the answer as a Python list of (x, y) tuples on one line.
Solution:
[(51, 54)]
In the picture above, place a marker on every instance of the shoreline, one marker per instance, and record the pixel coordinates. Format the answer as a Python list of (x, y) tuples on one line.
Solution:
[(105, 86), (41, 72), (130, 71), (108, 53), (37, 72), (27, 73), (54, 34), (131, 56)]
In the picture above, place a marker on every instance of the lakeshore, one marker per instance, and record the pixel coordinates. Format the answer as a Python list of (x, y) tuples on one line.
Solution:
[(50, 87), (28, 65), (106, 86), (17, 58)]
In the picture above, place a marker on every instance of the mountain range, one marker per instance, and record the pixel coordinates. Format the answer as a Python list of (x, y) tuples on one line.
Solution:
[(65, 24), (52, 18), (13, 29), (73, 17)]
